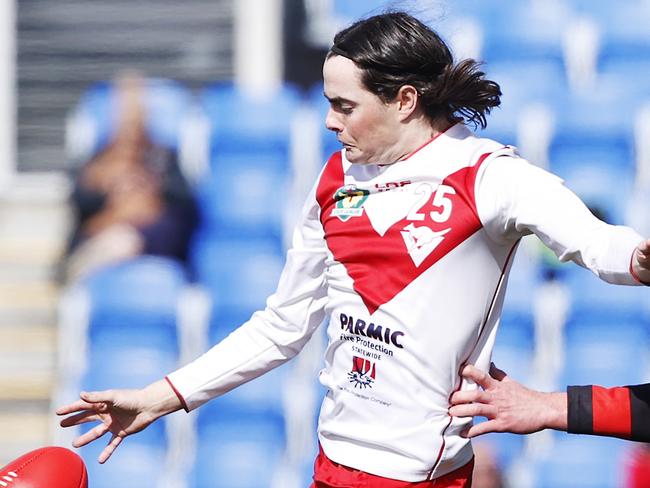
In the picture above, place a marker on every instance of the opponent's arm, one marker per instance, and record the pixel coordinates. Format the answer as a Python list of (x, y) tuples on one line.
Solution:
[(511, 407), (508, 405)]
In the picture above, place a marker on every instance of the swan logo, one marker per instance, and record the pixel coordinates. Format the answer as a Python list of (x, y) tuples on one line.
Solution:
[(349, 202)]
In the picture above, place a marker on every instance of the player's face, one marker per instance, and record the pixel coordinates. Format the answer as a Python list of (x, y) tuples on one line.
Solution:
[(367, 127)]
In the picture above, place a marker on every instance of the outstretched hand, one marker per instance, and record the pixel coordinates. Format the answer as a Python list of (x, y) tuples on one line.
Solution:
[(641, 261), (120, 412), (508, 405)]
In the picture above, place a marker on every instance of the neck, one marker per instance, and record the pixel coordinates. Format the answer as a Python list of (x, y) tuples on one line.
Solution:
[(420, 134)]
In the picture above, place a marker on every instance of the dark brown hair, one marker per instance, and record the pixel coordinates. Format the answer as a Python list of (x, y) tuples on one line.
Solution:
[(396, 49)]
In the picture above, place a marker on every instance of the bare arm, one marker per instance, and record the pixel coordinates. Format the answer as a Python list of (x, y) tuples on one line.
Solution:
[(508, 405), (120, 412)]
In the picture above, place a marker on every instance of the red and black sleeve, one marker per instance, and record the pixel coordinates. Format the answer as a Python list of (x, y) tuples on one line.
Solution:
[(618, 412)]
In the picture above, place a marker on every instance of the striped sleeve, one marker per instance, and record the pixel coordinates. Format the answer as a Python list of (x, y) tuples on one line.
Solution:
[(619, 412)]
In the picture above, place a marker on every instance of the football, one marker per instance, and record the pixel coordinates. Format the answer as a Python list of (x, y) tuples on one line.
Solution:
[(53, 467)]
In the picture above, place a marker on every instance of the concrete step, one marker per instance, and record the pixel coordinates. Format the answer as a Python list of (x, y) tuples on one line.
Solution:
[(27, 362)]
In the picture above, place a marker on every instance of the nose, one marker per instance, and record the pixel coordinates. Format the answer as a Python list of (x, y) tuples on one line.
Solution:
[(332, 122)]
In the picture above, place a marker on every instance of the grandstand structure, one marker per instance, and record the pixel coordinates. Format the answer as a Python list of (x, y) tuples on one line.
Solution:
[(576, 101)]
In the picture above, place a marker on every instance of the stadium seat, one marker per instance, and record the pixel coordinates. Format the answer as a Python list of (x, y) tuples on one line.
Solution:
[(581, 462), (599, 350), (592, 297), (239, 271), (245, 123), (245, 196), (624, 33), (348, 12), (237, 454), (146, 285), (523, 83), (134, 464), (526, 31)]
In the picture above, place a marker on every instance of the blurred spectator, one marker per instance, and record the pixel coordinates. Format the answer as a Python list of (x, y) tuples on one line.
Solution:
[(487, 473), (131, 197)]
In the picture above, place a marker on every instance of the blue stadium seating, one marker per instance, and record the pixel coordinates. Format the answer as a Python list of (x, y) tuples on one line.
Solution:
[(237, 454), (243, 123), (599, 350), (239, 271), (134, 464), (525, 31), (625, 34), (522, 82), (245, 196), (581, 462)]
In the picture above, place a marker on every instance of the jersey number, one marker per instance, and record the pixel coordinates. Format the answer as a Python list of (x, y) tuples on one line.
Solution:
[(440, 200)]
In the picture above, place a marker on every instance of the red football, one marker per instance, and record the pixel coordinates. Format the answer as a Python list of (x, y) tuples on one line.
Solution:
[(47, 467)]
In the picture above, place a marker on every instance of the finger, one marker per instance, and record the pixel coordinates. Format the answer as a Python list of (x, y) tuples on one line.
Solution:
[(643, 250), (496, 373), (468, 396), (109, 449), (477, 376), (644, 247), (483, 428), (91, 435), (473, 410), (77, 406), (80, 418), (97, 396)]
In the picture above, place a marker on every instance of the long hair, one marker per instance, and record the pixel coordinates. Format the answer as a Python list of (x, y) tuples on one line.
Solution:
[(396, 49)]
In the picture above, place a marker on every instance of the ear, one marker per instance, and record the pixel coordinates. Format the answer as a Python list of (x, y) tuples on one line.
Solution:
[(406, 101)]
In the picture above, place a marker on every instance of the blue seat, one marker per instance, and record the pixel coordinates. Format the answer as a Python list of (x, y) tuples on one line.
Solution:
[(599, 350), (239, 271), (581, 462), (245, 196), (593, 149), (625, 34), (525, 31), (134, 464), (592, 297), (349, 12), (166, 102), (242, 454), (242, 123), (523, 83), (146, 285)]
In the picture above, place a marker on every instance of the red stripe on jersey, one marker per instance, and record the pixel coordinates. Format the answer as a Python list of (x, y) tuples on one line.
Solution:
[(611, 411), (380, 266)]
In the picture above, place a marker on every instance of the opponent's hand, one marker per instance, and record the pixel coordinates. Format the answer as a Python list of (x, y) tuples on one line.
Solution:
[(120, 412), (641, 261), (508, 405)]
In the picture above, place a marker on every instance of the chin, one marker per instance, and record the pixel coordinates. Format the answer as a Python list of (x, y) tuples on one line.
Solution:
[(355, 156)]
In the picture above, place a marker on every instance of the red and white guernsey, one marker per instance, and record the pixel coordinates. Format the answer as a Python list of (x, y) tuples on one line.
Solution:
[(409, 263)]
